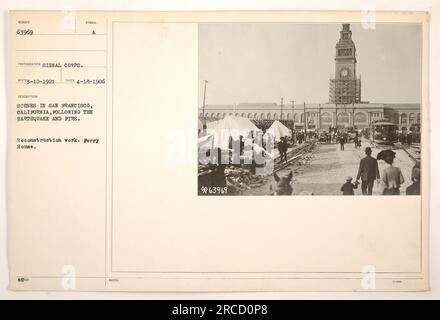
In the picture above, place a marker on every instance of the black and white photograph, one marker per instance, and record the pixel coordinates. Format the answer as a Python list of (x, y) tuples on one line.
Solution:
[(309, 109)]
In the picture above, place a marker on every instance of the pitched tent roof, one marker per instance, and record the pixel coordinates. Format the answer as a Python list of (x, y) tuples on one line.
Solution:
[(231, 127), (278, 130), (205, 141), (245, 123), (209, 125), (212, 124)]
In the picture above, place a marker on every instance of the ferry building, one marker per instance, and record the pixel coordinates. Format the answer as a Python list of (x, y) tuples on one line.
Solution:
[(345, 108)]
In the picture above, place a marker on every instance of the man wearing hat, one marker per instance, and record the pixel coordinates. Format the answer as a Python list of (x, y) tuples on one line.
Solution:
[(368, 172)]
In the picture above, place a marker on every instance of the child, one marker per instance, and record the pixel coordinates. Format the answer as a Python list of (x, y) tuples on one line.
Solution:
[(348, 187)]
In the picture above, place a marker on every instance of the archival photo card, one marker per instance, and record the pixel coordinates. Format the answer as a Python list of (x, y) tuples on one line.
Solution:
[(109, 189)]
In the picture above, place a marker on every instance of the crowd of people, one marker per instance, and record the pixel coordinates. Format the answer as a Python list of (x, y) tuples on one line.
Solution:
[(408, 137), (391, 177)]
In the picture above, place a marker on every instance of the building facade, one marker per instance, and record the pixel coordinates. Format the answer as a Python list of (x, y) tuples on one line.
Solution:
[(345, 109), (321, 116)]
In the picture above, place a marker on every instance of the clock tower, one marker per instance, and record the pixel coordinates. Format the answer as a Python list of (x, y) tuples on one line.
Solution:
[(345, 60), (345, 88)]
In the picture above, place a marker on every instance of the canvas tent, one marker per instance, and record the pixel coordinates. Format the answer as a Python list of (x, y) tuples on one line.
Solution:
[(204, 144), (211, 125), (230, 127), (205, 141), (277, 130)]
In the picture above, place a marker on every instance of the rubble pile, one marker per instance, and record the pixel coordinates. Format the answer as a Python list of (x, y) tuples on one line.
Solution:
[(305, 160), (204, 168), (300, 155), (239, 179)]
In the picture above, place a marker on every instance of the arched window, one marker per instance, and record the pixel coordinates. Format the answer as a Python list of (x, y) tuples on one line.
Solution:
[(295, 117), (268, 116), (302, 118), (262, 116), (282, 116), (255, 115), (249, 115), (243, 115), (403, 118), (224, 115), (412, 118), (275, 116), (236, 114), (343, 117), (218, 115), (326, 117), (212, 115), (360, 117)]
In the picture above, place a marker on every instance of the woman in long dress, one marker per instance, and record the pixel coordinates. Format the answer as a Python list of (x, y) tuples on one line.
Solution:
[(392, 176)]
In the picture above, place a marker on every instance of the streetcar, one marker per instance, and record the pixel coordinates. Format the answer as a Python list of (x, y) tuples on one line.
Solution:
[(384, 133)]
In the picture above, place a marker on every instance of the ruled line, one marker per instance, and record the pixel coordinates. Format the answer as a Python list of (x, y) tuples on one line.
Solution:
[(79, 50)]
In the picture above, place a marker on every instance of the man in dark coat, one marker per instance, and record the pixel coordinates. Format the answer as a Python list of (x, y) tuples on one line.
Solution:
[(355, 140), (282, 148), (368, 172), (342, 142), (409, 138)]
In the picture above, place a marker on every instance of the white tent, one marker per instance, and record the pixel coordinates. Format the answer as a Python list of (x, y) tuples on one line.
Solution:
[(211, 125), (277, 130), (245, 123), (230, 127), (205, 144), (205, 140)]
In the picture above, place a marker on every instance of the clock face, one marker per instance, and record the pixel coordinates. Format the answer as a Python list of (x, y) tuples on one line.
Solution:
[(344, 72)]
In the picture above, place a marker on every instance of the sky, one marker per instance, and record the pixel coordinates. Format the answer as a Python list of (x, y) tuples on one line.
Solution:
[(263, 62)]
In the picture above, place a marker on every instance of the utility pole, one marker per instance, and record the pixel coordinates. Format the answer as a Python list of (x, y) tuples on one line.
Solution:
[(293, 120), (305, 122), (352, 115), (281, 115), (204, 99), (318, 122)]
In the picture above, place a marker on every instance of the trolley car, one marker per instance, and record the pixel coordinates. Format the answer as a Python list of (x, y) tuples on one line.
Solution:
[(384, 133)]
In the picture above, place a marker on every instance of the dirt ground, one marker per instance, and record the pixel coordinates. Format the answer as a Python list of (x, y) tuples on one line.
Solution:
[(325, 171)]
